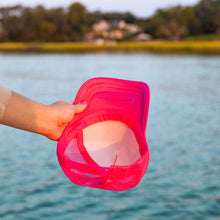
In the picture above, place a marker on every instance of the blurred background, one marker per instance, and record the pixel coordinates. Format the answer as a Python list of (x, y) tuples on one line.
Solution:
[(183, 176), (109, 20)]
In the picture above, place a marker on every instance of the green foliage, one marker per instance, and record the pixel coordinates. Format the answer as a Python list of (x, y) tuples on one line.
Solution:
[(208, 12), (172, 23), (178, 22), (24, 24), (40, 24), (77, 18)]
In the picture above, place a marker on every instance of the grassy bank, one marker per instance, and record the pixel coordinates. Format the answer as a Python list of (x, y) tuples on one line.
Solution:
[(201, 47)]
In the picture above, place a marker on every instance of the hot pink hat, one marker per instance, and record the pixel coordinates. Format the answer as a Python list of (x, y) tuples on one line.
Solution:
[(105, 145)]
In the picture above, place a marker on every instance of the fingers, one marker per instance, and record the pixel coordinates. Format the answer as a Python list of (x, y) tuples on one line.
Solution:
[(80, 107)]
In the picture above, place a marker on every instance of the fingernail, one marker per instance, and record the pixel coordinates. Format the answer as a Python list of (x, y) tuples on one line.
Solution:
[(83, 102)]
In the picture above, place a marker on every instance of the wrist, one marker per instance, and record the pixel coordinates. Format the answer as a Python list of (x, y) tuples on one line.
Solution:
[(44, 120), (5, 96)]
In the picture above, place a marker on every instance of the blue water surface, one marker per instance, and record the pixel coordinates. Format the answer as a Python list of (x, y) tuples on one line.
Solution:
[(183, 176)]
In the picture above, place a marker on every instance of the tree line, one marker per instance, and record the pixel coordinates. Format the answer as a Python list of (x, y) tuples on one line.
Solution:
[(20, 23)]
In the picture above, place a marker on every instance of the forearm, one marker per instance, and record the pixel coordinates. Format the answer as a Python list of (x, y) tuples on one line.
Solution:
[(25, 114)]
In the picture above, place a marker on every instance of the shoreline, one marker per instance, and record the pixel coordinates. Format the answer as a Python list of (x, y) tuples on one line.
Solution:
[(188, 47)]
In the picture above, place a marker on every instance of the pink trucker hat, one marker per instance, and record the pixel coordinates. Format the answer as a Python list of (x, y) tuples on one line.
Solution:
[(105, 146)]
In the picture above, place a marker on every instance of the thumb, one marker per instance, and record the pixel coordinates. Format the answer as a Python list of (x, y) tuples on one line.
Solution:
[(79, 107)]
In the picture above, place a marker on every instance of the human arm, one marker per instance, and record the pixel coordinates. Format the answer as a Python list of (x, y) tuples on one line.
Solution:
[(48, 120)]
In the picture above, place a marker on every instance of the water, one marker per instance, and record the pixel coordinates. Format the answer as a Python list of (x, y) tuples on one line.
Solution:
[(183, 177)]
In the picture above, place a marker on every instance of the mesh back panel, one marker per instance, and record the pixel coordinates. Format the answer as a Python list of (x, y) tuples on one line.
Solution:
[(73, 153)]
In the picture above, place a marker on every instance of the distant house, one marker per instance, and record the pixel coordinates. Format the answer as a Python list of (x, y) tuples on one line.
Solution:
[(122, 24), (114, 30), (133, 28), (101, 27), (129, 28), (116, 34), (143, 37), (99, 41)]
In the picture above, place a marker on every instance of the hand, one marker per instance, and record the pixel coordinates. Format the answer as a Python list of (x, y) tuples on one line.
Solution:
[(60, 114)]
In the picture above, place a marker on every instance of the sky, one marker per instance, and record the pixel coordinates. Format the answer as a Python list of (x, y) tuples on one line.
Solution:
[(140, 8)]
